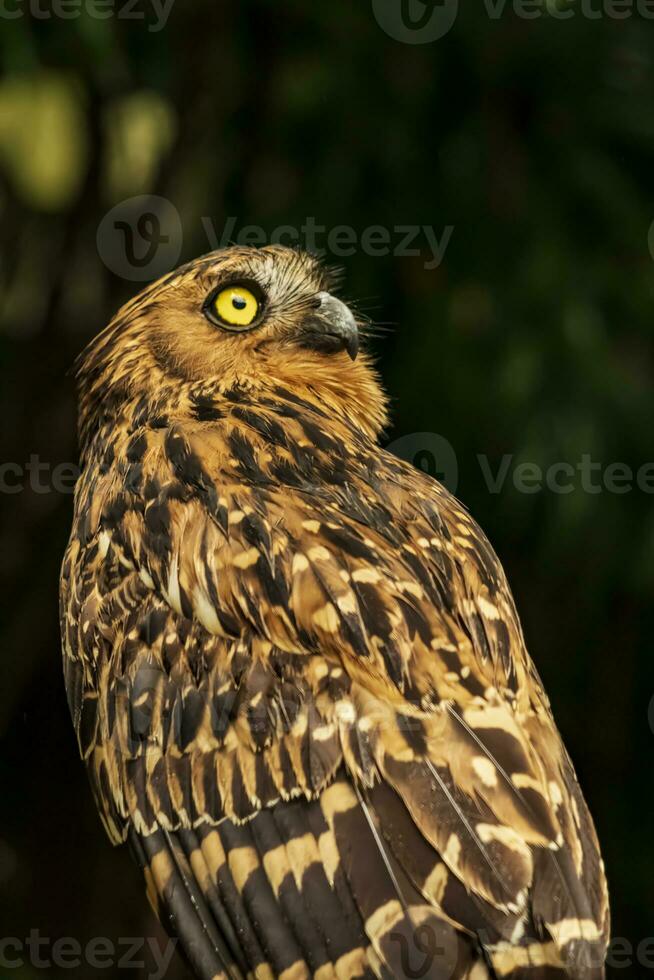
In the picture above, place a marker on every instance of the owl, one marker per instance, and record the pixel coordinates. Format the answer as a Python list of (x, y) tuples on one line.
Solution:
[(293, 662)]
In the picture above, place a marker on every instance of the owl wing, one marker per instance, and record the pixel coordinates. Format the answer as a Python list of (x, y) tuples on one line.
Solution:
[(309, 707)]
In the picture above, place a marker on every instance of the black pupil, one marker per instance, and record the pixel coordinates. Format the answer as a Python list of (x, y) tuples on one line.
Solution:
[(239, 303)]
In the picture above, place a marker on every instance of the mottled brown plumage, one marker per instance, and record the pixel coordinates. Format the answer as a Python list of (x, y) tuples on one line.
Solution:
[(294, 664)]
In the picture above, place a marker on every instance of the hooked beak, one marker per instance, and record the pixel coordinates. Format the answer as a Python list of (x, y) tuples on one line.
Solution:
[(331, 328)]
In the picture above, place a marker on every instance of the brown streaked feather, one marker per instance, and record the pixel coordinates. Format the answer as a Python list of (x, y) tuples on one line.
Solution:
[(296, 672)]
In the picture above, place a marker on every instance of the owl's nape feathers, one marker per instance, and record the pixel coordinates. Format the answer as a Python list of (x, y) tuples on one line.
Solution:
[(294, 664)]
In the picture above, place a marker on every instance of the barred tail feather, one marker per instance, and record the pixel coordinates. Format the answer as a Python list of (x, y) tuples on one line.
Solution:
[(339, 888), (179, 902), (303, 889)]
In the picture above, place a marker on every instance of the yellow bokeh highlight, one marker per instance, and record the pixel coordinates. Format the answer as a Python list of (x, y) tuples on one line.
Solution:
[(43, 138), (140, 130)]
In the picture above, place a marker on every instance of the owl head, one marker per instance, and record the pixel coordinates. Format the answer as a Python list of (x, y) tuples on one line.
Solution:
[(251, 317)]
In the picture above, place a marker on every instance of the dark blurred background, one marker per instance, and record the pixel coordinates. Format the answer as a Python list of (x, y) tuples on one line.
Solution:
[(531, 340)]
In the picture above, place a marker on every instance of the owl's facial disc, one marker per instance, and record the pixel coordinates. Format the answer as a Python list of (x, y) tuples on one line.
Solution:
[(331, 327)]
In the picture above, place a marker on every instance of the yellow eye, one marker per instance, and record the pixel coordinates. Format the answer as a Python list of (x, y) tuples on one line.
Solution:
[(236, 306)]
